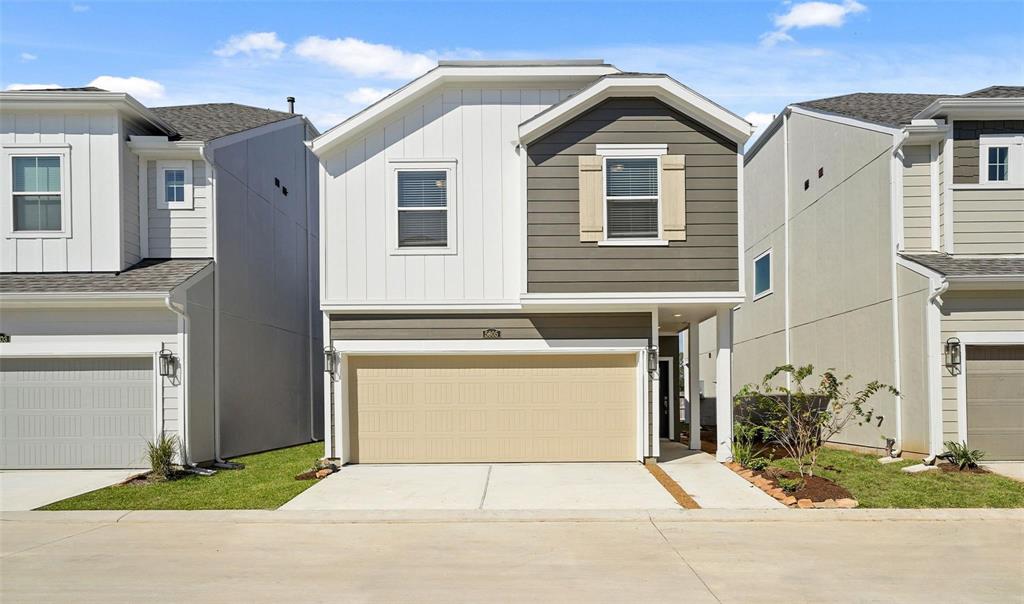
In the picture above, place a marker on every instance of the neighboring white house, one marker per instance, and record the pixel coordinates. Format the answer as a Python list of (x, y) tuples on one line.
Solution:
[(509, 251), (885, 238), (158, 276)]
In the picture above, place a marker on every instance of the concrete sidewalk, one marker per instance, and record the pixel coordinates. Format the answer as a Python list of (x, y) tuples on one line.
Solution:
[(30, 489), (711, 484), (669, 555)]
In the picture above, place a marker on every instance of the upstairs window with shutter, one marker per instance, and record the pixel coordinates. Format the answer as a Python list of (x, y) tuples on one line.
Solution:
[(632, 193), (423, 208)]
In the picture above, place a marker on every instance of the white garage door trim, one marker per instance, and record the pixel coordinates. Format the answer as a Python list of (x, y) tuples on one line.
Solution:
[(90, 346), (976, 338), (345, 348)]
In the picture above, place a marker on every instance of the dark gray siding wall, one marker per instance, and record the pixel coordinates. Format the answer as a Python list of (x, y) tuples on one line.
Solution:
[(546, 326), (966, 145), (558, 262)]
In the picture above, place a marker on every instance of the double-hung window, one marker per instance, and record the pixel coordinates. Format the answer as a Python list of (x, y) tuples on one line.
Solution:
[(631, 197), (424, 217), (174, 184), (37, 193), (1002, 159)]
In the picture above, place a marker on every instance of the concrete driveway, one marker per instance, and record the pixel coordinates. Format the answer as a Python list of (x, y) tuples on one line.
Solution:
[(525, 486), (30, 489)]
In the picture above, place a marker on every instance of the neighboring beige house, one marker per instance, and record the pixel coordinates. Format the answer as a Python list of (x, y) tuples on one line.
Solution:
[(509, 251), (885, 238), (157, 275)]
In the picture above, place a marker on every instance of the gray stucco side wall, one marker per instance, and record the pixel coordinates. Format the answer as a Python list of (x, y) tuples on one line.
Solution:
[(201, 362), (535, 326), (913, 316), (558, 262), (268, 355), (966, 145)]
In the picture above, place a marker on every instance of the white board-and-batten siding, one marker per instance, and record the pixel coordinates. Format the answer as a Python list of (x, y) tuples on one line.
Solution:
[(478, 128), (179, 232), (93, 182)]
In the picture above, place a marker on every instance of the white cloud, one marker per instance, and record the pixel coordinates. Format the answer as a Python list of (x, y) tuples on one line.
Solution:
[(758, 119), (366, 95), (142, 89), (264, 45), (364, 59), (810, 14), (27, 56), (31, 86), (79, 8)]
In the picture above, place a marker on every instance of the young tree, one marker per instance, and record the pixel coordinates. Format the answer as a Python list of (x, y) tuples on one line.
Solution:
[(801, 420)]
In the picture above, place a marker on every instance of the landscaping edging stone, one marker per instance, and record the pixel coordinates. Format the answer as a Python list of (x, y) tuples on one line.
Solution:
[(782, 497)]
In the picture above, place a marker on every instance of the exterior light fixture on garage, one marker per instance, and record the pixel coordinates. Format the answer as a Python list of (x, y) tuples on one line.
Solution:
[(167, 363), (330, 360), (953, 359)]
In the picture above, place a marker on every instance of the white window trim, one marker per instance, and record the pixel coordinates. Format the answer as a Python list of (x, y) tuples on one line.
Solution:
[(611, 152), (397, 165), (62, 151), (161, 190), (1014, 157), (771, 276)]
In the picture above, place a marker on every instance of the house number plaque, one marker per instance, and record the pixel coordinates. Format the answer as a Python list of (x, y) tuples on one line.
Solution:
[(492, 334)]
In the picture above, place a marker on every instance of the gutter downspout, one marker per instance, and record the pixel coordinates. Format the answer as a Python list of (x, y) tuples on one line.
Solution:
[(309, 311), (896, 226), (934, 330)]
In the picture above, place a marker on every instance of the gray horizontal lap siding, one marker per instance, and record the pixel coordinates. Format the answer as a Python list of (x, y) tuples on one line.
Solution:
[(966, 145), (557, 262), (543, 326)]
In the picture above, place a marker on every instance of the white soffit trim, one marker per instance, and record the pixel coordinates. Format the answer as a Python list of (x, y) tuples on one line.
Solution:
[(961, 108), (159, 146), (661, 87), (82, 99), (448, 74)]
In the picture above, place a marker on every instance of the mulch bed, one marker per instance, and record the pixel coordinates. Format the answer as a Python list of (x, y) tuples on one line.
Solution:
[(145, 478), (815, 488), (955, 469)]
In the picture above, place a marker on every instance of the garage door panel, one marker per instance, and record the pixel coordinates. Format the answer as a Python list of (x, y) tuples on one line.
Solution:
[(493, 408), (75, 413), (995, 401)]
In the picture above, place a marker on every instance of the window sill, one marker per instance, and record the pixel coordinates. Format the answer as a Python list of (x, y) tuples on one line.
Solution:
[(38, 235), (763, 294), (424, 251), (633, 243), (1008, 186)]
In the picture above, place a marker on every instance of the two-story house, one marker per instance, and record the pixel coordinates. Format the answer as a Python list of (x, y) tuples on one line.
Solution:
[(509, 251), (158, 277), (885, 238)]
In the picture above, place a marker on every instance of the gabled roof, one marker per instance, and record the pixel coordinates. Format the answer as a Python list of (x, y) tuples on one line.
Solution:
[(460, 72), (213, 120), (887, 109), (657, 85), (151, 276), (956, 266)]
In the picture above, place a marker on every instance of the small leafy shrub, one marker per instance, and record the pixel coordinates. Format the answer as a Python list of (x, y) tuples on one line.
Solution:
[(758, 464), (790, 485), (745, 439), (962, 456), (161, 454), (801, 419)]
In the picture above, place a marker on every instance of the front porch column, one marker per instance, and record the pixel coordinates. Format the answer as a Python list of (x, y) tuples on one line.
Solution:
[(723, 388), (693, 388)]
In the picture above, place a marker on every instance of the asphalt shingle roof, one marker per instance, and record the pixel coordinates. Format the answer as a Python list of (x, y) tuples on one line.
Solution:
[(214, 120), (887, 109), (997, 92), (154, 275), (953, 266)]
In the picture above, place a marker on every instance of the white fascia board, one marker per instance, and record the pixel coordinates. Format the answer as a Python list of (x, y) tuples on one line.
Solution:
[(539, 346), (841, 119), (159, 146), (448, 75), (959, 108), (925, 131), (628, 299), (82, 300), (78, 100), (662, 88), (447, 306)]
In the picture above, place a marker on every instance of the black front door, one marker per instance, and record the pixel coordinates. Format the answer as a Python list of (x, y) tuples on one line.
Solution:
[(664, 396)]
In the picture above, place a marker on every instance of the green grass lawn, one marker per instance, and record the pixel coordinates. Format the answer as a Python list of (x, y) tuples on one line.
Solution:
[(875, 485), (266, 482)]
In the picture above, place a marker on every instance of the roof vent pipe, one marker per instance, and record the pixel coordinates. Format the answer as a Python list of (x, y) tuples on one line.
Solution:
[(291, 104)]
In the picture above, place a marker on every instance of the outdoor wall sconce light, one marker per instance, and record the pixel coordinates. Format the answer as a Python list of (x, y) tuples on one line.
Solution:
[(167, 363), (330, 360), (953, 360), (652, 361)]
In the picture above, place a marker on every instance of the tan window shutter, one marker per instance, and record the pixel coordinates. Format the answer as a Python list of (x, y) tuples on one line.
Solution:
[(591, 198), (673, 197)]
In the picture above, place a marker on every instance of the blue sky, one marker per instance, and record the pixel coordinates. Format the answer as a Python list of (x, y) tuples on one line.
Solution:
[(753, 57)]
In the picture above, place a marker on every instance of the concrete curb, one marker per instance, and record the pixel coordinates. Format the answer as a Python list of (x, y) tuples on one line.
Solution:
[(446, 516)]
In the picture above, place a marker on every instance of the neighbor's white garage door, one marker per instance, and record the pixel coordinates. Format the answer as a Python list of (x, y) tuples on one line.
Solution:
[(75, 412), (493, 408)]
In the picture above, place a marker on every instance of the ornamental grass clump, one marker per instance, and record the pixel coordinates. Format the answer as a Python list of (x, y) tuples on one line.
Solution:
[(161, 454)]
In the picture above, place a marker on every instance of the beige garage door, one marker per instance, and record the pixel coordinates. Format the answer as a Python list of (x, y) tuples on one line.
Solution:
[(491, 408), (995, 401)]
